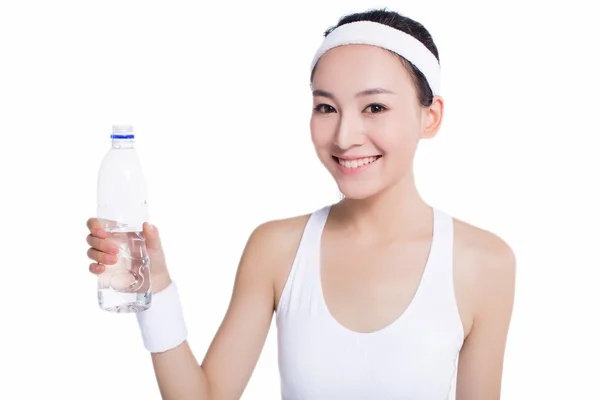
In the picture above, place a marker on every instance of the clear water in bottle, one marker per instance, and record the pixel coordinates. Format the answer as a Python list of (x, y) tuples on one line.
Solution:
[(122, 210), (125, 286)]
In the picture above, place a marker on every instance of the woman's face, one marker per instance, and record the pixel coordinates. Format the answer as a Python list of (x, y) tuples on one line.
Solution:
[(367, 120)]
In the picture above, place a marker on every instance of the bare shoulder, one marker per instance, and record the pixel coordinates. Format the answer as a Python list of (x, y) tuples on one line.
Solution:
[(280, 236), (274, 244), (277, 239), (484, 271), (483, 244), (484, 251)]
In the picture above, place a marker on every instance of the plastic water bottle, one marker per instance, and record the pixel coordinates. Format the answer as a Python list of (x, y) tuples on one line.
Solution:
[(122, 210)]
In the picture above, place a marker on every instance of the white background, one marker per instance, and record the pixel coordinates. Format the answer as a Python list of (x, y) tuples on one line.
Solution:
[(219, 97)]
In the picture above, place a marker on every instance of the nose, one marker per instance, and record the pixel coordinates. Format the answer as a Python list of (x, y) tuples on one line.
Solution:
[(349, 132)]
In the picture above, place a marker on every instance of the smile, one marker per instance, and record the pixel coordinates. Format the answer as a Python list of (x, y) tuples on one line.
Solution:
[(354, 165)]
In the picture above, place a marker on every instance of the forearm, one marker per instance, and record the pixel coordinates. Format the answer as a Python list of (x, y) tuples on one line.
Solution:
[(179, 375)]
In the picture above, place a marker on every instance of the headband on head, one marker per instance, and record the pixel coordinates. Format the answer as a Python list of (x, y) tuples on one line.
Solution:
[(386, 37)]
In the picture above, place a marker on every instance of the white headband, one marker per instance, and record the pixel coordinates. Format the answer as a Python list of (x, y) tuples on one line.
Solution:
[(380, 35)]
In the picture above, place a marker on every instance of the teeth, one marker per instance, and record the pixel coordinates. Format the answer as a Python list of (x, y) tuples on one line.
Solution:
[(356, 163)]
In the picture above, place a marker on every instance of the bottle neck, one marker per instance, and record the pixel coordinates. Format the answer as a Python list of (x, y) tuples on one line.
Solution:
[(122, 143)]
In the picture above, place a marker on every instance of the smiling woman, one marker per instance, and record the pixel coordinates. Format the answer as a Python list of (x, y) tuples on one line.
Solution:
[(379, 296), (399, 284)]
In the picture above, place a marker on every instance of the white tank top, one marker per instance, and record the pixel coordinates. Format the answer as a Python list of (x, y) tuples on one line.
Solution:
[(414, 358)]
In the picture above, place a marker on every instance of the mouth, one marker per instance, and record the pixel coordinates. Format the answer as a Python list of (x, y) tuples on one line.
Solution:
[(356, 164)]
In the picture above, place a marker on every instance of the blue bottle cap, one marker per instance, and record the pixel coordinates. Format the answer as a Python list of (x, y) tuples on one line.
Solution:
[(122, 132)]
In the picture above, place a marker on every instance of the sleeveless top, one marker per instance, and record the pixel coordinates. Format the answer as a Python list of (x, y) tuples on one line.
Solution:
[(415, 357)]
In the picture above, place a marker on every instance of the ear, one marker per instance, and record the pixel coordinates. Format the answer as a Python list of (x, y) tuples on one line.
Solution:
[(432, 118)]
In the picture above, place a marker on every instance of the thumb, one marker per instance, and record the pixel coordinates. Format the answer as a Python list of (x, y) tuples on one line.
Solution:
[(152, 237)]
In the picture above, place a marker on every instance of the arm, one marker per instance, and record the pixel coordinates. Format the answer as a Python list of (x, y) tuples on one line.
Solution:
[(234, 351), (482, 356)]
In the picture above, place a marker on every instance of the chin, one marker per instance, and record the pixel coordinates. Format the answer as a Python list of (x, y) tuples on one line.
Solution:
[(359, 191)]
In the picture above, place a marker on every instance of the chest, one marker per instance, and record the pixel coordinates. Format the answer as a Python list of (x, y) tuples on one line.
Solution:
[(366, 288)]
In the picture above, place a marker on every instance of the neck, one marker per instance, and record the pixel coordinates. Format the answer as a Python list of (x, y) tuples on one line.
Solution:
[(396, 212)]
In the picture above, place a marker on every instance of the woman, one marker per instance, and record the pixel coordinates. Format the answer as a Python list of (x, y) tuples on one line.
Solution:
[(379, 296)]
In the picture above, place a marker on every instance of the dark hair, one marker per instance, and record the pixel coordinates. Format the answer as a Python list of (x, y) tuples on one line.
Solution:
[(404, 24)]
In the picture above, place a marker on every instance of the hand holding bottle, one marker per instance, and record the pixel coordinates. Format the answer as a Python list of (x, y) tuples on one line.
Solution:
[(104, 250)]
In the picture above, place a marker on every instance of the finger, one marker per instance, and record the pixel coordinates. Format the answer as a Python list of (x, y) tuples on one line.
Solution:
[(103, 245), (96, 268), (96, 229), (101, 257), (152, 236)]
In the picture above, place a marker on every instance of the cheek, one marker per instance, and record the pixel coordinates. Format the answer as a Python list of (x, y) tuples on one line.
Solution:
[(322, 131), (394, 136)]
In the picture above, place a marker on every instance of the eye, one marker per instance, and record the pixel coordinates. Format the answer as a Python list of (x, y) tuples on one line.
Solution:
[(324, 109), (375, 108)]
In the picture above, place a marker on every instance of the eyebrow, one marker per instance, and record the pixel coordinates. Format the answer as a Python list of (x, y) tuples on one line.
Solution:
[(367, 92)]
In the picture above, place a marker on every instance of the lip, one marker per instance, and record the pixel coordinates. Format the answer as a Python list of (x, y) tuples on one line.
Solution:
[(354, 171), (350, 158)]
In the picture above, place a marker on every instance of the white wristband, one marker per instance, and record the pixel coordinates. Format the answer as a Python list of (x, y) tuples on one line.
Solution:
[(162, 325)]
